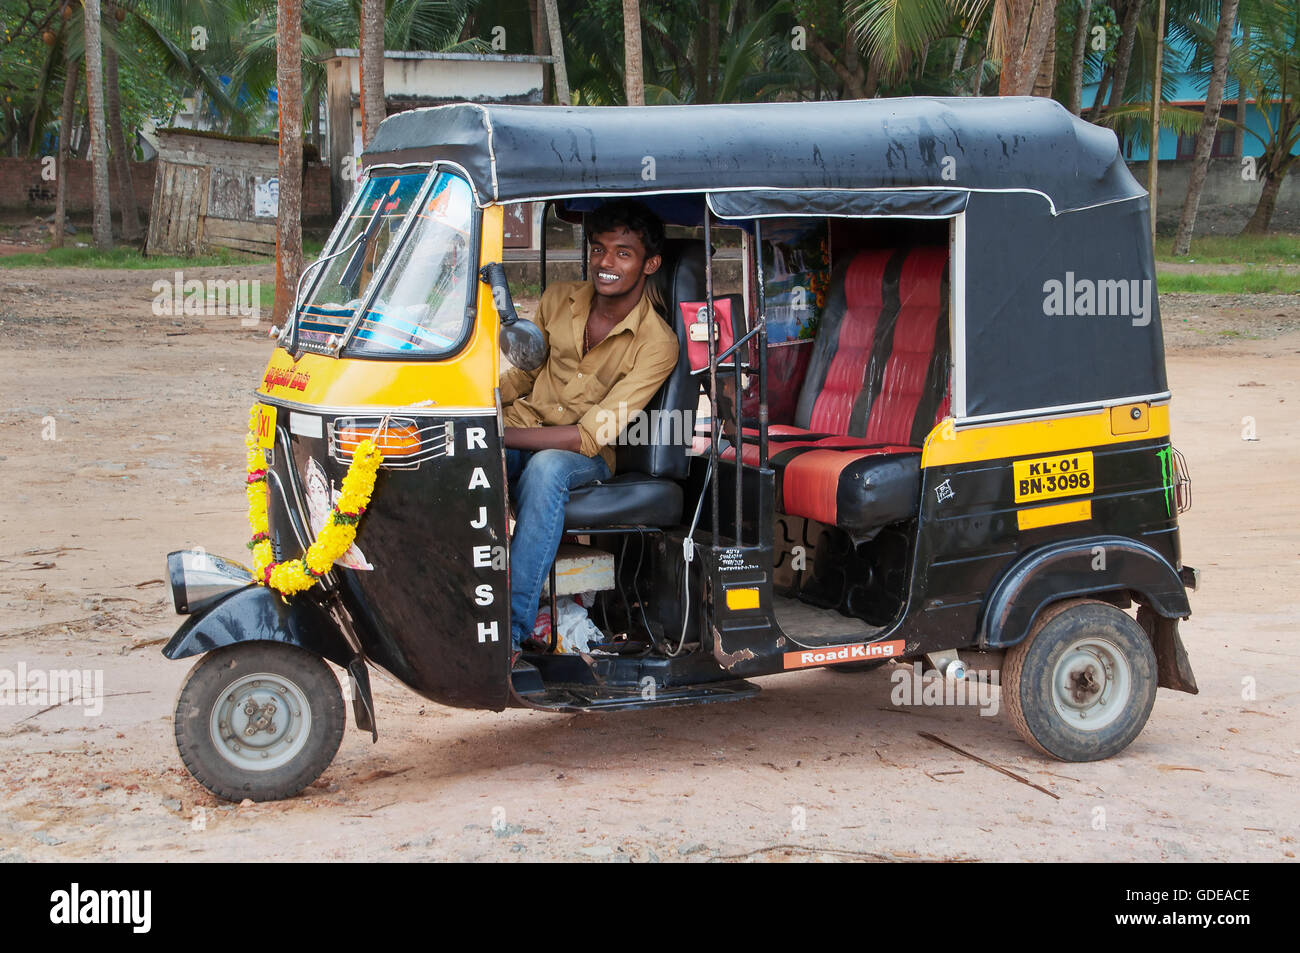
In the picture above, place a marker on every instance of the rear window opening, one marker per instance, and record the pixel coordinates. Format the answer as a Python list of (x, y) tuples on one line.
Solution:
[(804, 266)]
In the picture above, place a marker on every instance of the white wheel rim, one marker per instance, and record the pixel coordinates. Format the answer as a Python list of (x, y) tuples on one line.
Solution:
[(1091, 683), (261, 722)]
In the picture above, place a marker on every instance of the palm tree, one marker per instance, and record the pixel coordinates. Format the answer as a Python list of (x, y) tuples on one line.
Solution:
[(373, 107), (1079, 56), (103, 228), (900, 33), (70, 72), (1269, 72), (562, 94), (1205, 138), (130, 210), (633, 76), (288, 232), (1030, 27)]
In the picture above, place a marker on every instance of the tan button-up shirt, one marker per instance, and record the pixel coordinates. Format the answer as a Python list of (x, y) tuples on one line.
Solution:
[(600, 391)]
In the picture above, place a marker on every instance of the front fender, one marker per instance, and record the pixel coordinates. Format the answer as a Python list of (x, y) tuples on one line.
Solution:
[(256, 613), (1078, 567)]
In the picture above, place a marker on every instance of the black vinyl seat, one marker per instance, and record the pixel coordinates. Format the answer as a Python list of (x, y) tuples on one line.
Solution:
[(644, 490), (629, 499)]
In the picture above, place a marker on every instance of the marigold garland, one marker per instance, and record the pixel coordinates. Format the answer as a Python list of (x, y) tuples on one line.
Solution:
[(336, 536)]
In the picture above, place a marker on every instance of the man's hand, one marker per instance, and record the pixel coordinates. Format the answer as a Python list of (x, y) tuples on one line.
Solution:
[(544, 438)]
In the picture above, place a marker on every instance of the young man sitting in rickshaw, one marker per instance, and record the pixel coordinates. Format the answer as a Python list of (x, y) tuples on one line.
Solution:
[(609, 353)]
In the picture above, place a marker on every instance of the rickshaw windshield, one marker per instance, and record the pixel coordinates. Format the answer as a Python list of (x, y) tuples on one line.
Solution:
[(338, 291), (422, 306)]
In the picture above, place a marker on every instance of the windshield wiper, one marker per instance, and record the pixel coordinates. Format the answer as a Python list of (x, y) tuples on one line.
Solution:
[(353, 270)]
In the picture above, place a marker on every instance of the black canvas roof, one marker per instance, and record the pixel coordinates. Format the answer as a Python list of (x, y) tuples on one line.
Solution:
[(513, 153)]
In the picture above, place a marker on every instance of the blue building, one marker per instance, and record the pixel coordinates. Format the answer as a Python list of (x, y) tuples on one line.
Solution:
[(1188, 92)]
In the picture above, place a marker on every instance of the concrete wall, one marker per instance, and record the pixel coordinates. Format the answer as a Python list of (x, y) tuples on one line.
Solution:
[(1227, 201), (23, 190)]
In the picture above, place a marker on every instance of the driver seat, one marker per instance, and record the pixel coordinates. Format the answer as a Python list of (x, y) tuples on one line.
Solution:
[(644, 490)]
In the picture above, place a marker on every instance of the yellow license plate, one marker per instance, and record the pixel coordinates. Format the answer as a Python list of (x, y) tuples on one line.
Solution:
[(1048, 478), (266, 426)]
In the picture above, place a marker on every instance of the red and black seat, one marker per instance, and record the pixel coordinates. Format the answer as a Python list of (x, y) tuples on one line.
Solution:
[(876, 385)]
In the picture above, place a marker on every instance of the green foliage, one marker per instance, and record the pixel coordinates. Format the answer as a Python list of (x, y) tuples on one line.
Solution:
[(122, 256), (1255, 281), (1268, 65), (1278, 249)]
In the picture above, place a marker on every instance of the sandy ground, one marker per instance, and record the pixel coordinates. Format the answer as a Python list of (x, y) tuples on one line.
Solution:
[(147, 415)]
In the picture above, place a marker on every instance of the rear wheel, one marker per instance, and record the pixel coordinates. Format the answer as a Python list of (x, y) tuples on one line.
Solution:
[(259, 720), (1081, 686)]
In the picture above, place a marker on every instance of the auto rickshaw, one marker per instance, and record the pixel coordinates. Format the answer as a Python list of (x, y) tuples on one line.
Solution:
[(937, 429)]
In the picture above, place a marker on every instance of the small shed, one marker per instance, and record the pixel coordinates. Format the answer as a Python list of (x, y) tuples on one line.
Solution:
[(213, 191)]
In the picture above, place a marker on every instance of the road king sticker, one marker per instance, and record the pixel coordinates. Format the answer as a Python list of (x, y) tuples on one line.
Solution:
[(833, 655), (1048, 478)]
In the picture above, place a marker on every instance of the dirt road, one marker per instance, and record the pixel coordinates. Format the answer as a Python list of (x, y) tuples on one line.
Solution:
[(122, 439)]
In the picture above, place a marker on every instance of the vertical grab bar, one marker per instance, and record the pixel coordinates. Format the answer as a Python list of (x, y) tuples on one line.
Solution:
[(546, 206), (582, 252), (740, 434), (714, 433), (762, 346)]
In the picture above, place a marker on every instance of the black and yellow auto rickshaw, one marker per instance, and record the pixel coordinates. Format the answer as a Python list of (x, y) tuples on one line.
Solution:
[(939, 423)]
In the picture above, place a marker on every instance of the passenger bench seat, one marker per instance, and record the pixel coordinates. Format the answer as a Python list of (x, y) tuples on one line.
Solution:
[(862, 483)]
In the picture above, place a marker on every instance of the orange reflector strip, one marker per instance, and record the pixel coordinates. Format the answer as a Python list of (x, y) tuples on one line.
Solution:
[(1053, 515), (742, 599), (394, 442)]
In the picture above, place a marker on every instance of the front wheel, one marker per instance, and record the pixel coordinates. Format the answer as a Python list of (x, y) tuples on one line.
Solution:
[(258, 720), (1081, 686)]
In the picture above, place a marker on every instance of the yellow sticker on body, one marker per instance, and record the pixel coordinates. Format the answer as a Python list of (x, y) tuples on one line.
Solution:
[(266, 426), (1047, 478)]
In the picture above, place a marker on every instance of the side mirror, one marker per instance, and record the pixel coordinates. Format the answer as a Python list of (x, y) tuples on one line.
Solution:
[(521, 341)]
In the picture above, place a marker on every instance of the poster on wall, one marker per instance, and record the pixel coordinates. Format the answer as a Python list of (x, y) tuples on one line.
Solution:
[(266, 197), (796, 260)]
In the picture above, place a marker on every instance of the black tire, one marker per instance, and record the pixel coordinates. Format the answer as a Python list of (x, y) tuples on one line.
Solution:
[(1080, 656), (298, 688)]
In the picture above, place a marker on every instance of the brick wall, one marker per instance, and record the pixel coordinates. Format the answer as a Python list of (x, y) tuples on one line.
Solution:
[(23, 190)]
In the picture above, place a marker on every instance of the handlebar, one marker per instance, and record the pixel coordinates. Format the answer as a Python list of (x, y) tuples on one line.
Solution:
[(493, 274)]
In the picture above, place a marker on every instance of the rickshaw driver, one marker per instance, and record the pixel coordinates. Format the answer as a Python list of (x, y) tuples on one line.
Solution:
[(561, 420)]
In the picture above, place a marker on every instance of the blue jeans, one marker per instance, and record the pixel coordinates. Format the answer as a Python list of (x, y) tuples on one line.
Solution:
[(540, 482)]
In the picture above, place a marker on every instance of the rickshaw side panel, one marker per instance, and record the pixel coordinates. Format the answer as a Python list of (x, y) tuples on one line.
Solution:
[(437, 601), (1047, 346), (974, 532), (431, 606)]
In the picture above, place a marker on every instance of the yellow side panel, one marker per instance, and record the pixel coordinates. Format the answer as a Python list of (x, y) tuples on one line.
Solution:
[(947, 445), (1054, 515), (468, 379)]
